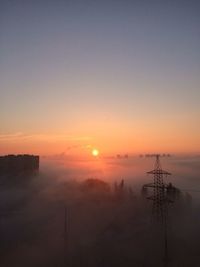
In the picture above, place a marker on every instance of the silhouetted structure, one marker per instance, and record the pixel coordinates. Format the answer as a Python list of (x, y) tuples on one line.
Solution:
[(18, 164), (161, 191)]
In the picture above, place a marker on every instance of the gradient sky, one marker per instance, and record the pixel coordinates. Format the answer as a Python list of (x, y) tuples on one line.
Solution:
[(122, 76)]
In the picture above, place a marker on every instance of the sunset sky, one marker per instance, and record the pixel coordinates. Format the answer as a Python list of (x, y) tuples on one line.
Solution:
[(120, 76)]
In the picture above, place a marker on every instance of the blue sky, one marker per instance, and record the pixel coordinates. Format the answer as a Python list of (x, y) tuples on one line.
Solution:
[(77, 67)]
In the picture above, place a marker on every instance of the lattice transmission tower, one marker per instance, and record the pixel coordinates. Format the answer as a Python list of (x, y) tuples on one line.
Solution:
[(160, 199)]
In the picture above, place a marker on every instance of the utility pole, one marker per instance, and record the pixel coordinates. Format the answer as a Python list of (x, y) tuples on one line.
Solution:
[(66, 228)]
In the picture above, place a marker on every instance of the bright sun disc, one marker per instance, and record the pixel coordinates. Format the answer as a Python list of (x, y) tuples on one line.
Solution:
[(95, 152)]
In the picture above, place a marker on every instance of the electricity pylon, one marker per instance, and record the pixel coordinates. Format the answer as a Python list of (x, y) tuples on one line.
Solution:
[(160, 200), (159, 197)]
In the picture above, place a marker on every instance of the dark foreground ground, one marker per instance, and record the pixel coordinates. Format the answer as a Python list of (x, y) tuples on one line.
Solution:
[(47, 223)]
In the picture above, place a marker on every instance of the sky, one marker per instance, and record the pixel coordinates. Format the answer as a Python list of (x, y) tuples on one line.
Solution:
[(121, 76)]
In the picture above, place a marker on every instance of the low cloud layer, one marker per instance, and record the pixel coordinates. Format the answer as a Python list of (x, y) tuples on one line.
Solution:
[(55, 219)]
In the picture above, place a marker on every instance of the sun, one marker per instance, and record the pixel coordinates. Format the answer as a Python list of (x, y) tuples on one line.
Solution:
[(95, 152)]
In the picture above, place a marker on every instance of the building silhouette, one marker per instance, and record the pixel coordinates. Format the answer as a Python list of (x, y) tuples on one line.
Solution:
[(18, 164)]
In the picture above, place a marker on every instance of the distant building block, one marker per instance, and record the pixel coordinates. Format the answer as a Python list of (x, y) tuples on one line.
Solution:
[(18, 164)]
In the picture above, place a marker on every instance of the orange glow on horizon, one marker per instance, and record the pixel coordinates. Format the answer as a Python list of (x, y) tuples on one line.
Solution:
[(113, 141)]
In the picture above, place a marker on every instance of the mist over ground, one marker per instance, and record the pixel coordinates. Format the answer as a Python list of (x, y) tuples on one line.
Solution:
[(60, 218)]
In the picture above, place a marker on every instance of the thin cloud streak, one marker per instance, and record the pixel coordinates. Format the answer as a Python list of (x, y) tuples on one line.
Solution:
[(41, 137)]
